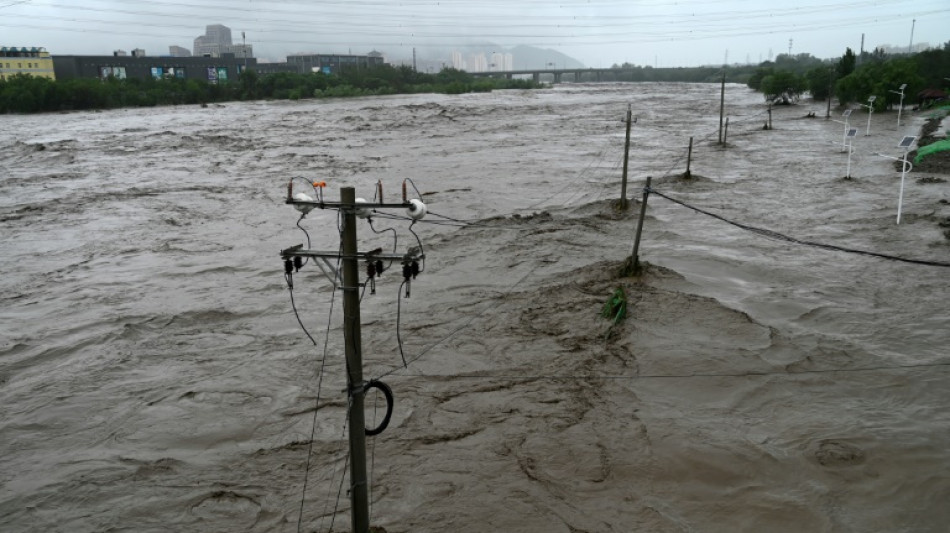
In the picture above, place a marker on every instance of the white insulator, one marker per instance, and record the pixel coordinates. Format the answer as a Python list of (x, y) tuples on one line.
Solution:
[(303, 197), (363, 212), (417, 209)]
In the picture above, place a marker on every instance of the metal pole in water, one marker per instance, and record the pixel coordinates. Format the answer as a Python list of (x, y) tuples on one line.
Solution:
[(643, 210), (722, 103), (354, 364), (900, 197), (626, 153), (689, 158)]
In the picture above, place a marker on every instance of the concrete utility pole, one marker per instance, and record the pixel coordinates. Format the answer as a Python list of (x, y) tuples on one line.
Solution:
[(354, 364), (910, 47), (722, 103), (356, 387), (626, 154)]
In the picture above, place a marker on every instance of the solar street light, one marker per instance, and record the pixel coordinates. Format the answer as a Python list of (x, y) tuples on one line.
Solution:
[(870, 106), (905, 143), (844, 141), (850, 136), (901, 106)]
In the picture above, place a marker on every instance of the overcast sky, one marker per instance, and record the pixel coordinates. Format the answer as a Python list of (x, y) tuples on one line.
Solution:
[(598, 33)]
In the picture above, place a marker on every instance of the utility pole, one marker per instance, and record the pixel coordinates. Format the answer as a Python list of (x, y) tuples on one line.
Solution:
[(244, 49), (722, 102), (910, 47), (356, 387), (359, 494), (626, 154)]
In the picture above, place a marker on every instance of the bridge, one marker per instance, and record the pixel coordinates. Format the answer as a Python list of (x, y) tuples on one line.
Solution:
[(577, 74), (705, 74)]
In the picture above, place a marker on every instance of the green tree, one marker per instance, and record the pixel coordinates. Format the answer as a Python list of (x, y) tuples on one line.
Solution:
[(779, 83), (847, 63), (819, 81)]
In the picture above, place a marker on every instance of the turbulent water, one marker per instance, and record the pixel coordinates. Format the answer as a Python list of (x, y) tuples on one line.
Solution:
[(154, 377)]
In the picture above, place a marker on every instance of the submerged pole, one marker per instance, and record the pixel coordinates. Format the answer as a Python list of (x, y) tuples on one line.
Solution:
[(626, 154), (722, 103), (689, 158), (643, 209)]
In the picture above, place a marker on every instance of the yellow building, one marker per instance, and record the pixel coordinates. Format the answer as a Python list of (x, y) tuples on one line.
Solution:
[(33, 61)]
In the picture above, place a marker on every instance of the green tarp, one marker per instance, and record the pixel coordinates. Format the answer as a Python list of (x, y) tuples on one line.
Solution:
[(932, 148)]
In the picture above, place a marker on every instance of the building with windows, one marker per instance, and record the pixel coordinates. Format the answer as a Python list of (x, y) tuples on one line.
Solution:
[(33, 61), (209, 69), (332, 63), (217, 41)]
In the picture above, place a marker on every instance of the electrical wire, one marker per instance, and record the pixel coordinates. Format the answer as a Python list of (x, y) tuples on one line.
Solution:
[(346, 463), (700, 375), (398, 322), (299, 220), (326, 341), (422, 252), (379, 232), (781, 236)]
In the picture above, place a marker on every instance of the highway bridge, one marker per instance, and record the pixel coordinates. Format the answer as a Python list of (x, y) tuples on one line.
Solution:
[(707, 74)]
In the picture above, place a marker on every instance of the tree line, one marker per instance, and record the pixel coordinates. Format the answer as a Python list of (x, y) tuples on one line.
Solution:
[(852, 79), (28, 94)]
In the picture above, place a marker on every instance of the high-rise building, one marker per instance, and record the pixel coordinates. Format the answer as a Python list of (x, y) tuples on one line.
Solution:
[(213, 42), (457, 61)]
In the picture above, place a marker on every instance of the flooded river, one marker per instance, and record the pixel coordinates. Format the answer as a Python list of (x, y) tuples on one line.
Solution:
[(154, 376)]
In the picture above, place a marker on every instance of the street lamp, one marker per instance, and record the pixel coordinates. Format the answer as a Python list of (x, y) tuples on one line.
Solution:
[(870, 106), (901, 107), (906, 166), (847, 117)]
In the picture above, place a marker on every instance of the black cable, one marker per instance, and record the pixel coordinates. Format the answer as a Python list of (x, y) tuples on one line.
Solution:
[(573, 377), (398, 319), (346, 463), (422, 252), (313, 427), (449, 335), (395, 237), (418, 194), (780, 236), (299, 220), (388, 393)]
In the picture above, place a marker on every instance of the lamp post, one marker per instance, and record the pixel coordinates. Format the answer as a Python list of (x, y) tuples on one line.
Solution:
[(244, 49), (870, 106), (901, 106), (847, 117)]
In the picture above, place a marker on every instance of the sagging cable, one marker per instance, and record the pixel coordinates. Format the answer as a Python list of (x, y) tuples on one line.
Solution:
[(388, 393)]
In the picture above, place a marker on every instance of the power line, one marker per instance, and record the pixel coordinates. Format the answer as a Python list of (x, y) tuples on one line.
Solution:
[(698, 375), (781, 236)]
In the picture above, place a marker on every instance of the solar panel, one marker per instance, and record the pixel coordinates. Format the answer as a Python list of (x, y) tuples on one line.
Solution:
[(907, 141), (902, 86), (872, 99), (847, 113), (852, 132)]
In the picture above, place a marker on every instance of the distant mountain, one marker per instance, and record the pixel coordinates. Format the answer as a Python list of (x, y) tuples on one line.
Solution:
[(524, 57), (531, 57)]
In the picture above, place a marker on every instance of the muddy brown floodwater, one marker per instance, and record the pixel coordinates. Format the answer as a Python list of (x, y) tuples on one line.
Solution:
[(153, 376)]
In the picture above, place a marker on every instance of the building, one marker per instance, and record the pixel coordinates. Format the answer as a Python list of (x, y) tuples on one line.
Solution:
[(178, 51), (214, 40), (33, 61), (332, 63), (209, 69)]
